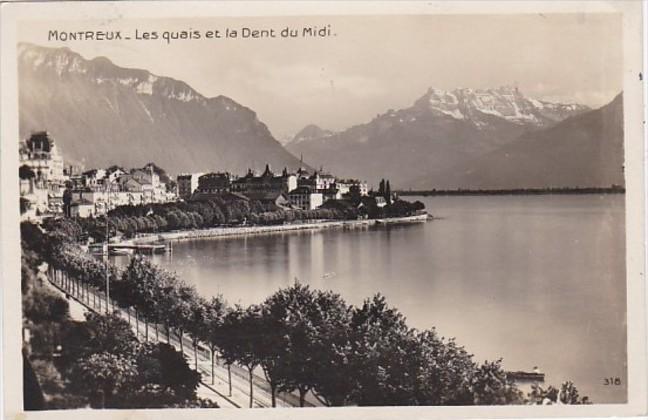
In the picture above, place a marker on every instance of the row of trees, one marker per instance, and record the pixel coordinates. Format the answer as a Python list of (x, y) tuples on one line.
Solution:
[(214, 212), (98, 362), (306, 341), (206, 214)]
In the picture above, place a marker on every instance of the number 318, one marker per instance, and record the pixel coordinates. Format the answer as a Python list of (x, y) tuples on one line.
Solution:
[(612, 381)]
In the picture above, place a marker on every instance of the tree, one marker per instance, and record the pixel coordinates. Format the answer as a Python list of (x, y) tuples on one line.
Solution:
[(141, 280), (243, 327), (166, 296), (227, 342), (444, 371), (490, 386), (306, 343), (215, 310), (43, 305), (381, 347), (104, 375), (180, 309), (567, 394), (275, 343), (332, 350), (289, 311), (196, 325), (354, 194), (122, 289), (108, 333), (387, 192), (164, 367), (541, 396)]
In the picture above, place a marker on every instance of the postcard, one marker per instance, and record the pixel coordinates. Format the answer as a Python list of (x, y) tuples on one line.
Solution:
[(325, 209)]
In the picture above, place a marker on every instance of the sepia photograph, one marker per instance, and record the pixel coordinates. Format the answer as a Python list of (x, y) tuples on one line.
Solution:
[(323, 209)]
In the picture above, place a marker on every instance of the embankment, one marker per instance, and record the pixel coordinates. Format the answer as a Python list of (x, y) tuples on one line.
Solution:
[(218, 232)]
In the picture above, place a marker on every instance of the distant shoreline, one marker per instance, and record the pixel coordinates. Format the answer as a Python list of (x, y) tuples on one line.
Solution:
[(521, 191)]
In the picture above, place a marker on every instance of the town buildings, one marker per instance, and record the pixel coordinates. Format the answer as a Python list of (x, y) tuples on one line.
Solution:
[(301, 189), (266, 182), (114, 187), (47, 188), (42, 178)]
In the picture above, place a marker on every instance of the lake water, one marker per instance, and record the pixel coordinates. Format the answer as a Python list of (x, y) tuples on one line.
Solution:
[(536, 280)]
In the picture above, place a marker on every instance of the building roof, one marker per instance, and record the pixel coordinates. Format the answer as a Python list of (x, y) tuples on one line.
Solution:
[(211, 179), (259, 180), (189, 175), (40, 140), (265, 195), (225, 196), (350, 181), (90, 172), (267, 173), (115, 168)]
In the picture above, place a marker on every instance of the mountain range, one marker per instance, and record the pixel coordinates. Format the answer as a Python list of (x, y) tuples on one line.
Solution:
[(582, 151), (102, 114), (441, 140)]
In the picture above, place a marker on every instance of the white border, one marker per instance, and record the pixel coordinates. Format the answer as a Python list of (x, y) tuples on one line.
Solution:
[(635, 185)]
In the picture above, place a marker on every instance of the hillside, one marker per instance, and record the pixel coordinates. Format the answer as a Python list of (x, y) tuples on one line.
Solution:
[(101, 114)]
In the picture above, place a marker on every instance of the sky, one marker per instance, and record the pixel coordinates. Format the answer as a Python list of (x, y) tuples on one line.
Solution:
[(368, 64)]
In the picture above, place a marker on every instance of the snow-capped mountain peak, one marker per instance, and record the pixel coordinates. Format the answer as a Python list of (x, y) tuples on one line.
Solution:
[(507, 102)]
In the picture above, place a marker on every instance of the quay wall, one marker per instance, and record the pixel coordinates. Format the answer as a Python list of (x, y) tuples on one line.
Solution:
[(217, 232)]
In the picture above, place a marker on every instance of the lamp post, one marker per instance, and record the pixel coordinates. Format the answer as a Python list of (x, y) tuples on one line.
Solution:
[(107, 249)]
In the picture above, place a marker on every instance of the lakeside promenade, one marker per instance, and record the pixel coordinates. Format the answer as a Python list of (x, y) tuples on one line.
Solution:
[(220, 232), (84, 299)]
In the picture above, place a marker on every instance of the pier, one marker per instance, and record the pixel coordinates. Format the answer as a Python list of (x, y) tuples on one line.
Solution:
[(131, 248), (141, 248)]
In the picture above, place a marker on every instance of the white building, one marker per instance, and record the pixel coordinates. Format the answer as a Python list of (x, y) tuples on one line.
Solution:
[(83, 208), (44, 184), (306, 199), (187, 184), (317, 181), (40, 153), (344, 186), (94, 178)]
